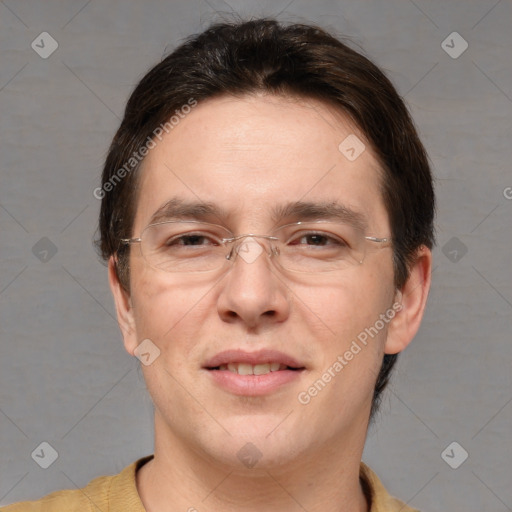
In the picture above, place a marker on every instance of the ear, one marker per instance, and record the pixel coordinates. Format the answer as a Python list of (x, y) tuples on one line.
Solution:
[(124, 308), (413, 299)]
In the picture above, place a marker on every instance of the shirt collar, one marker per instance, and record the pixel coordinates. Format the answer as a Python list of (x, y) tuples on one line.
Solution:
[(123, 495)]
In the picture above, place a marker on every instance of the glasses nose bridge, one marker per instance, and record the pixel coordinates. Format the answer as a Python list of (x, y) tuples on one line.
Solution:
[(238, 241)]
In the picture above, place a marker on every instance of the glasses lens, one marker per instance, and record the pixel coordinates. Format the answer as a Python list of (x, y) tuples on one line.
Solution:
[(313, 247), (184, 246), (320, 246)]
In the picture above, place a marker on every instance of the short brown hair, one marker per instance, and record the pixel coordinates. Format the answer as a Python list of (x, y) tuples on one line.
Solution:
[(263, 55)]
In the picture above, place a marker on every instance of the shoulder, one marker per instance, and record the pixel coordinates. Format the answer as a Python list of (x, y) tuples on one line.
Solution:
[(113, 492), (89, 498), (381, 500)]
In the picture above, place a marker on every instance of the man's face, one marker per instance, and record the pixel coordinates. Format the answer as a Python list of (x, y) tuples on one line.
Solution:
[(249, 156)]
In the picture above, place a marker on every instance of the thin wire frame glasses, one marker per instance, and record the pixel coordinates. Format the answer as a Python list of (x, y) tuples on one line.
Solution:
[(304, 247)]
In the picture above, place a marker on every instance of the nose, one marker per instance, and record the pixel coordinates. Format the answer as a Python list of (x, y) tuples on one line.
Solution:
[(253, 293)]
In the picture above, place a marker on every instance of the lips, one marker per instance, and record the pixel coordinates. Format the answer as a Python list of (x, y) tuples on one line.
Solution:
[(259, 373)]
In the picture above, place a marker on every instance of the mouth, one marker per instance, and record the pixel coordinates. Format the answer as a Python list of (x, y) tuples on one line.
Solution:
[(253, 373), (256, 369)]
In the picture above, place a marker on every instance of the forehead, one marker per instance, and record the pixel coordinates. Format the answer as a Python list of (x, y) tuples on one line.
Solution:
[(249, 155)]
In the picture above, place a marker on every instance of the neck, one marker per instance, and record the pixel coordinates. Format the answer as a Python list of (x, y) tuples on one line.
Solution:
[(181, 479)]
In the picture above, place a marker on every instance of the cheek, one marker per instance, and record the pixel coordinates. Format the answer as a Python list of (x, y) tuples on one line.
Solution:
[(353, 351), (169, 313), (350, 304)]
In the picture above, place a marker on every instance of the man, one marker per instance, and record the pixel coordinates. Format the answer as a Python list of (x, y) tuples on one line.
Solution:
[(267, 217)]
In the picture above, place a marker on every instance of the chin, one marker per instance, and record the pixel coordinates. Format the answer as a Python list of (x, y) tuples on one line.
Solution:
[(257, 443)]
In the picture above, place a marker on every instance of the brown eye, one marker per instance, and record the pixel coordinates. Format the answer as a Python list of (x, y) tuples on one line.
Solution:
[(317, 240), (194, 240)]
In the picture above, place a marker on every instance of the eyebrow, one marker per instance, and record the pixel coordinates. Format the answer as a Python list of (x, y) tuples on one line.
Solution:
[(177, 208), (180, 209), (325, 210)]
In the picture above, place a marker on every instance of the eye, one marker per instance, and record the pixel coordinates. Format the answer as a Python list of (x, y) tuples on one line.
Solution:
[(317, 239), (192, 239)]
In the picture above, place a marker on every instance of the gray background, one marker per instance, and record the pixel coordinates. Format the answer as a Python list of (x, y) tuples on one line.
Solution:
[(65, 378)]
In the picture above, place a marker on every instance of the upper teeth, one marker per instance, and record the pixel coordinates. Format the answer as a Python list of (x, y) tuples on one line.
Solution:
[(249, 369)]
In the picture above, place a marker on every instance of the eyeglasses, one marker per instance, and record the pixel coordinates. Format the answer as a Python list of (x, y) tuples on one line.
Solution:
[(306, 247)]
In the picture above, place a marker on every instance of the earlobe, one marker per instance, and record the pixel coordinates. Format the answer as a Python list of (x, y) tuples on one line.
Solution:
[(413, 299), (124, 308)]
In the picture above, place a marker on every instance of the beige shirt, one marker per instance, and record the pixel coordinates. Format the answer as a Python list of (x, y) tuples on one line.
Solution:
[(118, 493)]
